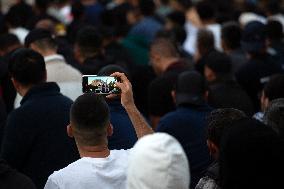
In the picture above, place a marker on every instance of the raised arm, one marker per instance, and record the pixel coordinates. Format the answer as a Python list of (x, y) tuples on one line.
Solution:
[(140, 125)]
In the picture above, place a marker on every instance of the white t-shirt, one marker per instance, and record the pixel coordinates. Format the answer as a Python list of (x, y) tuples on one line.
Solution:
[(95, 173)]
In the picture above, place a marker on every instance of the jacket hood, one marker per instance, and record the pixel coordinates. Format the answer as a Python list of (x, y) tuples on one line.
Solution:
[(158, 161)]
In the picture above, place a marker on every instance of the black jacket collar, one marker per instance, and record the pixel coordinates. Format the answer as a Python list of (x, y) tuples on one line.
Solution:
[(44, 89)]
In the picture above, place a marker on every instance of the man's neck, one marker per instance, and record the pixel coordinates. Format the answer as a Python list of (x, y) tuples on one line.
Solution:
[(168, 62), (46, 53), (100, 151)]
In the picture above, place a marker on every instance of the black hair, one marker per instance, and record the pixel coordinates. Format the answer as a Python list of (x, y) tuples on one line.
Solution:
[(77, 9), (205, 40), (251, 156), (231, 34), (89, 117), (177, 17), (89, 41), (46, 43), (147, 7), (27, 67), (220, 119), (7, 40), (110, 69), (274, 116), (205, 10), (19, 14), (275, 87), (219, 62), (273, 6), (228, 94), (274, 30), (177, 34)]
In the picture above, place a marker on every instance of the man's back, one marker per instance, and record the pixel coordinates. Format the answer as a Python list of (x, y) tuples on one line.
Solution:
[(35, 140), (109, 172), (188, 126), (68, 78)]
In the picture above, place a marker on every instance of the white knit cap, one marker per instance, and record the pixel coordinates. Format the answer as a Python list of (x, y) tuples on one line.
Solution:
[(158, 161)]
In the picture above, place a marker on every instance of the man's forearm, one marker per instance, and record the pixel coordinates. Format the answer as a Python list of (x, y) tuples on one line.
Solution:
[(140, 124)]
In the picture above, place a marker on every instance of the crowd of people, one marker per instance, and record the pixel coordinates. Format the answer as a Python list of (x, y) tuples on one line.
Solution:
[(201, 103)]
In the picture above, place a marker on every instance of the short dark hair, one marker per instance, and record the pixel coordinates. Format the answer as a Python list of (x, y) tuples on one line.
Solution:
[(231, 34), (7, 40), (274, 115), (219, 62), (90, 116), (220, 119), (89, 41), (177, 17), (47, 43), (205, 40), (251, 156), (205, 10), (147, 7), (274, 30), (275, 87), (27, 67), (164, 47)]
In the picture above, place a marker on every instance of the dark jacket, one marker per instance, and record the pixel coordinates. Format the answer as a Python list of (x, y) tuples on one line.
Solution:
[(124, 135), (253, 75), (188, 125), (11, 179), (35, 140), (160, 100)]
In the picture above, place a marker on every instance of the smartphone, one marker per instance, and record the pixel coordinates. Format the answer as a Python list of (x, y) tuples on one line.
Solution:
[(99, 84)]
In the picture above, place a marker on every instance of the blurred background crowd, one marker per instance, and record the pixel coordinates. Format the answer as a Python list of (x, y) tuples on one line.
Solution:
[(237, 46)]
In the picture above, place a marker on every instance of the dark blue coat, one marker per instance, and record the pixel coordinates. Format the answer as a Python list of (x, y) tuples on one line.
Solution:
[(35, 140), (124, 135), (188, 125)]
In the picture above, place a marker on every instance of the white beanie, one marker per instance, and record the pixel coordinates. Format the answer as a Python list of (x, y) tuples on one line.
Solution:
[(158, 161)]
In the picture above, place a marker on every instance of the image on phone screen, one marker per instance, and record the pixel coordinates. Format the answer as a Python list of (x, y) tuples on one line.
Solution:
[(100, 84)]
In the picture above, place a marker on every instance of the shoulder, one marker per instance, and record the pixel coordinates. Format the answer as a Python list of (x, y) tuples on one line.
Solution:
[(65, 173)]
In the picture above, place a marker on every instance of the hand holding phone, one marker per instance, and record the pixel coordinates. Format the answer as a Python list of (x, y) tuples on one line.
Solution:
[(104, 85)]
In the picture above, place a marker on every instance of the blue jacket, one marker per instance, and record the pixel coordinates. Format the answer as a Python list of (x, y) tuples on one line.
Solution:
[(35, 140), (124, 135), (188, 125)]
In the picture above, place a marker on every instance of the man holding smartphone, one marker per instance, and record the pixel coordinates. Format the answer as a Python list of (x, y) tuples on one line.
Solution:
[(90, 125)]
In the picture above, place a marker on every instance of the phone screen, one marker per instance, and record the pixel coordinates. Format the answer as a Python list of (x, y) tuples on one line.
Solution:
[(100, 84)]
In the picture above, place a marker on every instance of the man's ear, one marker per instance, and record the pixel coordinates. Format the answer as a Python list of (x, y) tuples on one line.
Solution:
[(16, 85), (206, 94), (109, 130), (213, 149), (173, 93), (70, 131)]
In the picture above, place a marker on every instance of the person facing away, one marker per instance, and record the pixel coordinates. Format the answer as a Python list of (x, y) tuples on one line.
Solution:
[(167, 64), (188, 122), (158, 161), (88, 51), (251, 156), (224, 91), (260, 65), (124, 136), (67, 77), (231, 34), (90, 125), (34, 140), (218, 120)]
